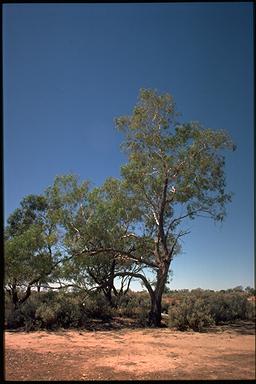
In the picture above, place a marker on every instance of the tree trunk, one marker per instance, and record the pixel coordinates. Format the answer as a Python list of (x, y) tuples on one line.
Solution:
[(108, 295), (154, 316), (14, 294)]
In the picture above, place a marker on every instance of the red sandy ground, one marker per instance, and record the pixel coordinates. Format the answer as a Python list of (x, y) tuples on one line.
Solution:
[(226, 352)]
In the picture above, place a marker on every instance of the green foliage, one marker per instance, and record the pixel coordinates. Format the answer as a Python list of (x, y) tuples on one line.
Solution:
[(52, 310), (135, 305), (22, 316), (250, 291), (47, 315), (186, 155), (30, 237), (97, 307), (229, 307), (191, 313), (200, 308), (195, 310)]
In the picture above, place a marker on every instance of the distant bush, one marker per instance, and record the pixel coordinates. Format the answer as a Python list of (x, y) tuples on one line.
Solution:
[(14, 319), (47, 315), (190, 313), (226, 307), (165, 306), (250, 311), (199, 309)]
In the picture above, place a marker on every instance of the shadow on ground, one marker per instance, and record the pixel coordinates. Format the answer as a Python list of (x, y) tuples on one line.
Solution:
[(239, 327)]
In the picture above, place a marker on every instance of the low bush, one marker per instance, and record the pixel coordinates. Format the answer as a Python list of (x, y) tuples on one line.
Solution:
[(134, 305), (251, 311), (96, 307), (53, 310), (190, 313), (195, 310), (200, 309), (226, 307), (23, 315), (47, 315)]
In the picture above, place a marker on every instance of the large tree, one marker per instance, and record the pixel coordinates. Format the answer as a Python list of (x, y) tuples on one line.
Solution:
[(175, 172)]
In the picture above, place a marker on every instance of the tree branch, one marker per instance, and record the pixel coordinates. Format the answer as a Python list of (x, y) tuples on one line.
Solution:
[(161, 235), (182, 233), (119, 253), (137, 276)]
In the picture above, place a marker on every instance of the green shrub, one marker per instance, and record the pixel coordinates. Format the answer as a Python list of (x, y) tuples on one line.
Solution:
[(61, 310), (190, 313), (14, 319), (134, 305), (23, 315), (226, 307), (96, 307), (70, 313), (47, 315), (250, 311)]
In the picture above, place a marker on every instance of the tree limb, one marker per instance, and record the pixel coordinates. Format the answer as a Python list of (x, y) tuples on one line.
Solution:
[(137, 276)]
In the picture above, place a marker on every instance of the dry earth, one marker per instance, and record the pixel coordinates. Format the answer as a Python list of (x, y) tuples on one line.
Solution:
[(131, 354)]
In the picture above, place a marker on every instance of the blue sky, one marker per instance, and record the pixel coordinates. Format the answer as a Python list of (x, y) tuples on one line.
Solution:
[(70, 69)]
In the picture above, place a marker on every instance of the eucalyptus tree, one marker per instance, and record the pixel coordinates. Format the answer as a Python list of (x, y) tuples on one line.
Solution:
[(90, 225), (175, 172)]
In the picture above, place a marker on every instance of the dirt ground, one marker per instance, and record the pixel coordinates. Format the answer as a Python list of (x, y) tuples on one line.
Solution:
[(226, 352)]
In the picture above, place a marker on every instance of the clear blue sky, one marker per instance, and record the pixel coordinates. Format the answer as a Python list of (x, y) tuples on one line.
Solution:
[(69, 69)]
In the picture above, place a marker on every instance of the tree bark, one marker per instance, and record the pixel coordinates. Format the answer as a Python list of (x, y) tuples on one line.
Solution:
[(14, 295), (108, 295), (154, 317)]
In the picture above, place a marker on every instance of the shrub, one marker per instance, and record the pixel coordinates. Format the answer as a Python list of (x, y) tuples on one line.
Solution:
[(70, 313), (250, 311), (135, 305), (14, 319), (96, 307), (23, 315), (228, 307), (46, 315), (190, 313)]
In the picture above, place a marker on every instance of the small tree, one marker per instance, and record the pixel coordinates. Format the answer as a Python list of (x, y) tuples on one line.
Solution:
[(30, 237), (89, 220)]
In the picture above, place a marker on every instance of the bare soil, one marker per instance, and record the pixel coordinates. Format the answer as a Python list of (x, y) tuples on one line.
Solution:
[(226, 352)]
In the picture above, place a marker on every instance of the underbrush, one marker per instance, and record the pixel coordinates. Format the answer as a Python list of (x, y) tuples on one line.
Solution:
[(196, 310), (135, 306), (199, 311), (51, 310)]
